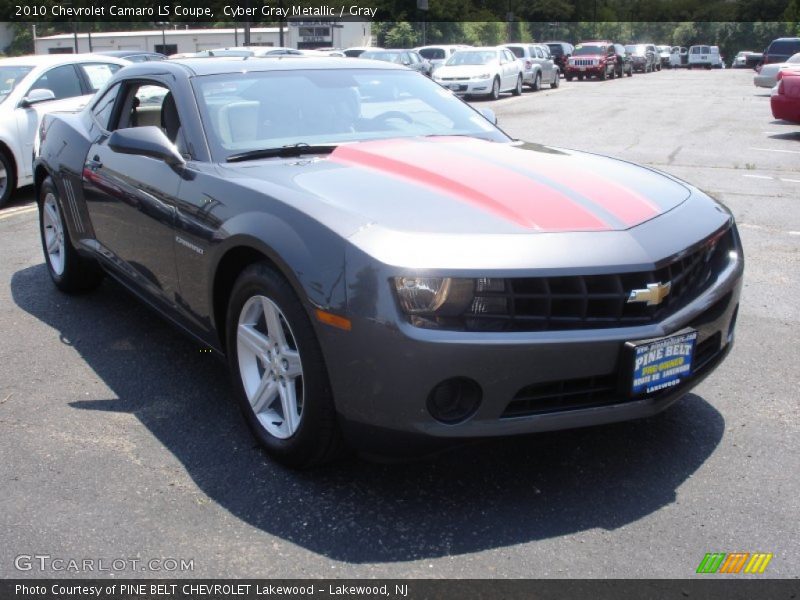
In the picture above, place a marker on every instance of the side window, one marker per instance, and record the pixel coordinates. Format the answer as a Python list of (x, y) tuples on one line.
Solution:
[(539, 53), (63, 81), (150, 104), (98, 74), (104, 107)]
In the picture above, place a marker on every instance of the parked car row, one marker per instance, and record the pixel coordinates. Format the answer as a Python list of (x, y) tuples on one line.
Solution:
[(601, 59)]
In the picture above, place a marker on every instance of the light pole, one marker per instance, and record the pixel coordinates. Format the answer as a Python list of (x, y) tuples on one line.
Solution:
[(163, 26)]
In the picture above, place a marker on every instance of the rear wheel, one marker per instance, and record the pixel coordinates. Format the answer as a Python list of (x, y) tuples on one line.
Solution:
[(278, 370), (568, 77), (8, 179), (518, 89), (556, 80), (70, 271)]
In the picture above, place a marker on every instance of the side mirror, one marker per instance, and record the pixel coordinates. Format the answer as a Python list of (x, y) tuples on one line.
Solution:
[(36, 96), (489, 115), (146, 141)]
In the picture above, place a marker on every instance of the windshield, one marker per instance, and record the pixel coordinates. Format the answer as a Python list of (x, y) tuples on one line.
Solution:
[(556, 49), (432, 53), (794, 59), (588, 50), (467, 57), (638, 49), (10, 78), (392, 57), (244, 112)]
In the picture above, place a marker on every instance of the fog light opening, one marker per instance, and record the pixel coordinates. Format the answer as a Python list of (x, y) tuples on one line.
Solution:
[(454, 400)]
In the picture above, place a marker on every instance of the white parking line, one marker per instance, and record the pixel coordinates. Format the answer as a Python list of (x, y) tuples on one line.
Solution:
[(7, 214), (769, 229), (784, 179), (776, 150)]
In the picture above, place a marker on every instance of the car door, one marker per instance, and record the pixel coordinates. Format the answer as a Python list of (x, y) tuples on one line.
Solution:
[(543, 56), (131, 198), (70, 94), (510, 68)]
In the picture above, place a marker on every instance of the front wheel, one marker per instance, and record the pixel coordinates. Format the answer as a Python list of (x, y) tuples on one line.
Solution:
[(495, 94), (537, 82), (278, 370), (518, 89), (8, 179), (71, 272)]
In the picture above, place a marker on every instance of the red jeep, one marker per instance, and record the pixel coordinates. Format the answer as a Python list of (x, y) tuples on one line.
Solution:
[(596, 58)]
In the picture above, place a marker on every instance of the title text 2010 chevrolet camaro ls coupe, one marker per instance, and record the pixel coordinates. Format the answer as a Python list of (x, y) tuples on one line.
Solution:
[(377, 261)]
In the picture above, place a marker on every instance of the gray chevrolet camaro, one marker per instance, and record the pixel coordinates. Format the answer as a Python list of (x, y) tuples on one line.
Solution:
[(378, 262)]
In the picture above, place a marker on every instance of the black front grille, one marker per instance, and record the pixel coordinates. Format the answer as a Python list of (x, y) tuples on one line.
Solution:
[(599, 390), (594, 301)]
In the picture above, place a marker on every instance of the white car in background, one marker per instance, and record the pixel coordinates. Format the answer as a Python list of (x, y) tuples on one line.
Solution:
[(32, 86), (704, 56), (537, 65), (481, 72), (767, 75), (438, 54)]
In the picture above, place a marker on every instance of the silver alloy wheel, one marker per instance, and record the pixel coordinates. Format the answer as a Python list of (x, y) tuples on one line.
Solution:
[(270, 367), (53, 233), (3, 180)]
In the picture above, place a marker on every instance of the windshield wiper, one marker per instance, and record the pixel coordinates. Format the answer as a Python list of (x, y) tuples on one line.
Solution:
[(287, 151)]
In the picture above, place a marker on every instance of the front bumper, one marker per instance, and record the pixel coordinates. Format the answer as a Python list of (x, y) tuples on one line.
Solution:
[(785, 108), (472, 88), (765, 81), (587, 70), (383, 371)]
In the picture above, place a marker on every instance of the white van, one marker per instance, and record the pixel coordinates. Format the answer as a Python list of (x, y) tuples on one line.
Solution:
[(704, 56)]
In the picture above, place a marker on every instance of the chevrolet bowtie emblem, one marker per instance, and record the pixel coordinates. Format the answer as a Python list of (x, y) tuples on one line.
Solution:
[(654, 294)]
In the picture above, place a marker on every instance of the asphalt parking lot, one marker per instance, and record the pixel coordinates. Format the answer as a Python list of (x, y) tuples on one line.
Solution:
[(119, 438)]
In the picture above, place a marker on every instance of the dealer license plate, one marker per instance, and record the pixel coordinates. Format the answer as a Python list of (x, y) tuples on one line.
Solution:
[(662, 363), (455, 86)]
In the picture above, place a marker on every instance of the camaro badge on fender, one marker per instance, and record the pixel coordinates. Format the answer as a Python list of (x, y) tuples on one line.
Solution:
[(654, 294)]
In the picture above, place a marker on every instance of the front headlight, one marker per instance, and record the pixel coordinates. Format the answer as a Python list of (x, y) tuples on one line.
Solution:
[(447, 302), (481, 76)]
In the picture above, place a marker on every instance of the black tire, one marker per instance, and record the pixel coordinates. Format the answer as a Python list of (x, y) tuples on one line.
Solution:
[(9, 183), (537, 82), (495, 93), (556, 80), (518, 90), (78, 273), (580, 77), (568, 77), (630, 72), (317, 439), (604, 75)]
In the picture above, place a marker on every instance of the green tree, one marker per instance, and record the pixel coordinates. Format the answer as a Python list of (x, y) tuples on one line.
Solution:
[(401, 35)]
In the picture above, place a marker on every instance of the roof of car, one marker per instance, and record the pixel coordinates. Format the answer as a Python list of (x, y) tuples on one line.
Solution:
[(237, 64), (46, 60), (124, 53)]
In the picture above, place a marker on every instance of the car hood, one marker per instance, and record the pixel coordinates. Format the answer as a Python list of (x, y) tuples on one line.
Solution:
[(457, 185), (465, 70)]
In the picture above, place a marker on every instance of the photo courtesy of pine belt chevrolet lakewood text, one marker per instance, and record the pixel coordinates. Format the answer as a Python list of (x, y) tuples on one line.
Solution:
[(382, 267)]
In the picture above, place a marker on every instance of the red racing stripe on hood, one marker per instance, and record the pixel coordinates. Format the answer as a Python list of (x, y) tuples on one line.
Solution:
[(503, 192), (624, 203)]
